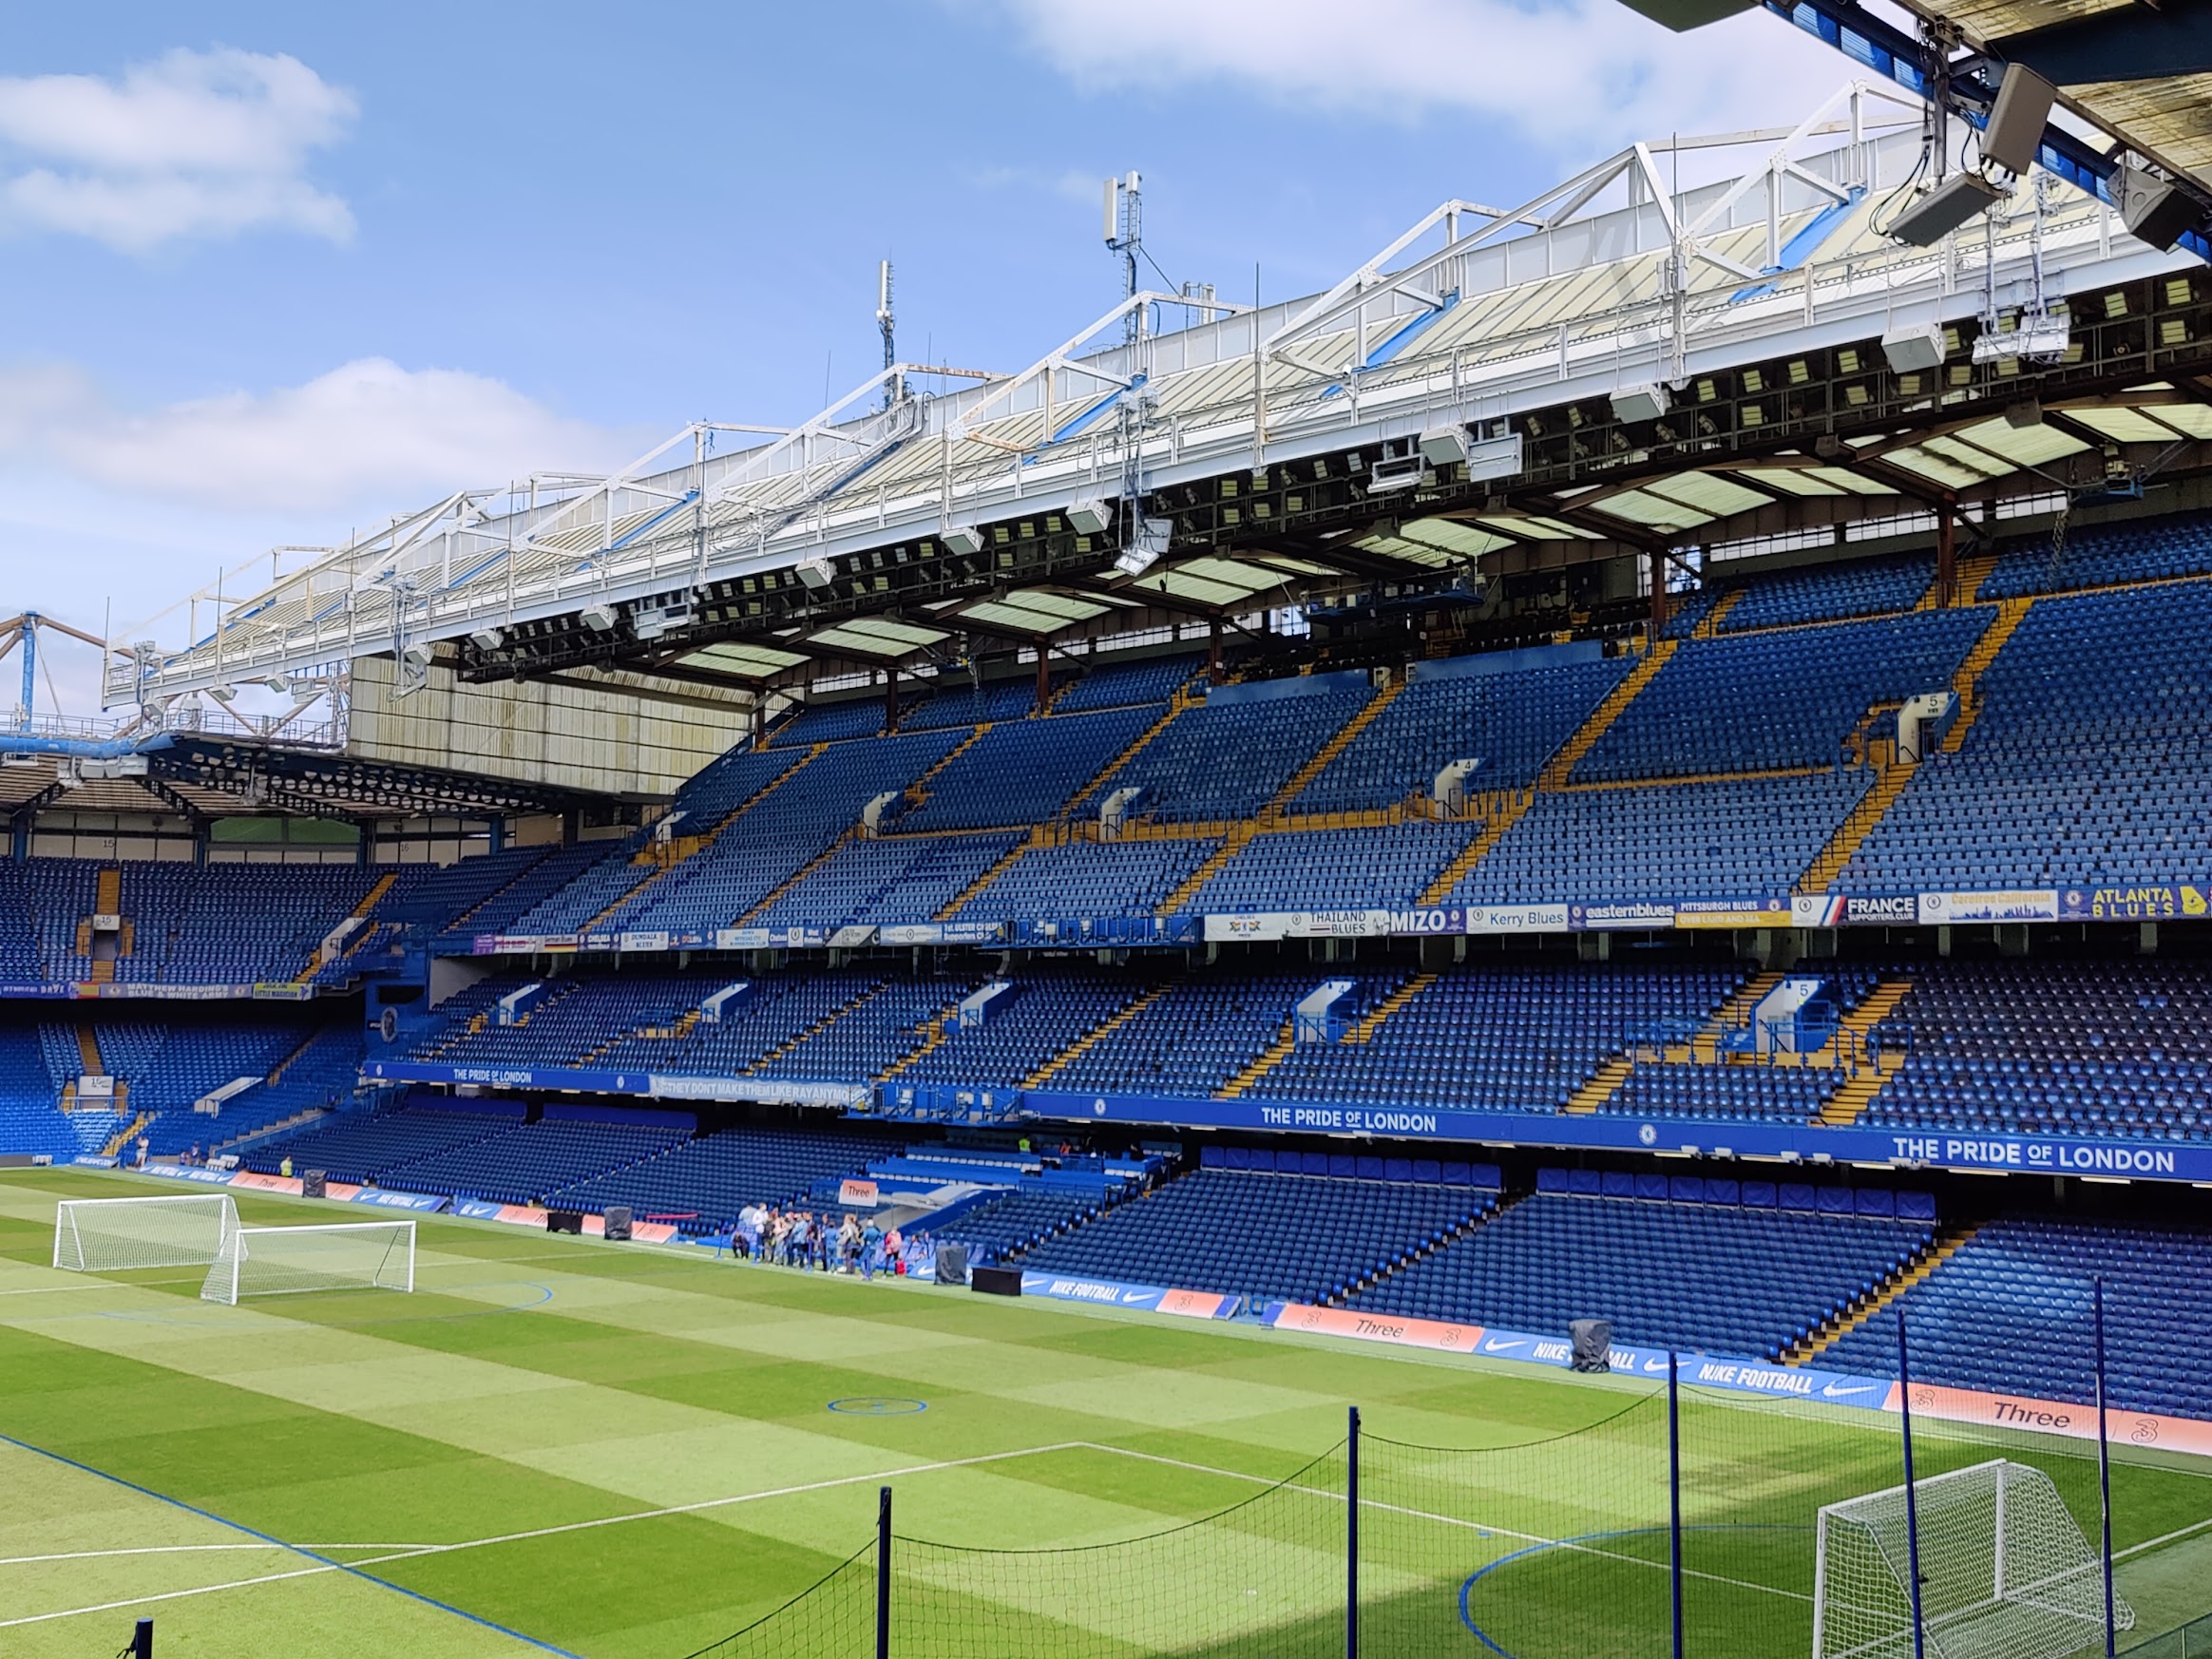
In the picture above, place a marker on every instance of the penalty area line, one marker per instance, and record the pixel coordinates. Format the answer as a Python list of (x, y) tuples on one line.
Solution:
[(321, 1563)]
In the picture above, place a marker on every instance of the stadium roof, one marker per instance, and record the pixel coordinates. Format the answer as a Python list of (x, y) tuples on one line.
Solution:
[(1470, 394)]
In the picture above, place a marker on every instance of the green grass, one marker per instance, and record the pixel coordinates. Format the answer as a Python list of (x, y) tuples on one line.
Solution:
[(625, 1453)]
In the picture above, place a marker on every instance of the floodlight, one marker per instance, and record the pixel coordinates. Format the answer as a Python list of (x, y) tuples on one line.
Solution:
[(817, 573), (2014, 132), (963, 539), (1152, 539), (487, 638), (600, 617), (1945, 208), (1090, 514), (1396, 473), (1914, 347), (275, 682), (1639, 403), (418, 656)]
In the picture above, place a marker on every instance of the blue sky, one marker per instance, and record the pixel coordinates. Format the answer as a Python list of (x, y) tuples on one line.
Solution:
[(270, 272)]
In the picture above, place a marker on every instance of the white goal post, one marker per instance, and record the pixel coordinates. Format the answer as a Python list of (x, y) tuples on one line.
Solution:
[(107, 1235), (283, 1260), (2005, 1572)]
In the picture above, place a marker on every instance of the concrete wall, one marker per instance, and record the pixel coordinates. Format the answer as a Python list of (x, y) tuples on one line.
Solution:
[(614, 738)]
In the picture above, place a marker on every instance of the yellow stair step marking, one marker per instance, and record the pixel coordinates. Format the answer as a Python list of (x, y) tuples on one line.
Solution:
[(1946, 1243), (1609, 710), (1369, 714), (1092, 1038), (1603, 1085)]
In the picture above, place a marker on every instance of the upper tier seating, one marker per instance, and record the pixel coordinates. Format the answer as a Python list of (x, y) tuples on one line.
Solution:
[(1733, 1273), (2086, 767), (499, 911), (1511, 722), (31, 1122), (1082, 879), (19, 954), (1764, 703), (1022, 772), (2013, 1311), (1273, 1238), (1544, 1032), (2105, 555), (1151, 679), (959, 704), (1733, 838), (1332, 870), (1864, 587), (899, 878), (1227, 760), (831, 723)]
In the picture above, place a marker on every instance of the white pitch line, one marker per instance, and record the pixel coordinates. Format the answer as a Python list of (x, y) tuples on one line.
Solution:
[(86, 1285), (194, 1549), (411, 1552), (2170, 1537), (170, 1596), (1580, 1548)]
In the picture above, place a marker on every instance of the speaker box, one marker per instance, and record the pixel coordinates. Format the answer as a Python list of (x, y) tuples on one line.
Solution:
[(1591, 1344), (2014, 131), (563, 1220), (314, 1184), (618, 1222), (952, 1264), (996, 1281), (2154, 211)]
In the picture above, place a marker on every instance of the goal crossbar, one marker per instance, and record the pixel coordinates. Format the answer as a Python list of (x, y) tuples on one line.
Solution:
[(167, 1229), (2005, 1570), (343, 1255)]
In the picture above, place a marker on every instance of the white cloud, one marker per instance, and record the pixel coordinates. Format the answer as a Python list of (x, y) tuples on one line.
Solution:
[(1580, 76), (192, 143), (369, 434)]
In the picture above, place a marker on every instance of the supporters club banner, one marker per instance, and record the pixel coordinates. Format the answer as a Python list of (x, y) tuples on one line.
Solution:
[(580, 1081), (2180, 904)]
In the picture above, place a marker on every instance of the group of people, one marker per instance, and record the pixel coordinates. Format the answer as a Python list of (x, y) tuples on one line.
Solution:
[(801, 1238)]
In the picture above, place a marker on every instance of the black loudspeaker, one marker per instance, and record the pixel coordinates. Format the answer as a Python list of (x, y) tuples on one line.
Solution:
[(952, 1264), (314, 1184), (2154, 211), (563, 1220), (1591, 1342), (618, 1222), (996, 1281)]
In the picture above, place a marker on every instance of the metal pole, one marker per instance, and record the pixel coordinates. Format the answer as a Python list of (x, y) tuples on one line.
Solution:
[(1352, 1539), (2105, 1474), (1674, 1492), (882, 1645), (1912, 1498)]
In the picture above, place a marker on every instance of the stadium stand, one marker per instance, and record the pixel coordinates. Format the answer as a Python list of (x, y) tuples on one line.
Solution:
[(2013, 1309), (1227, 758), (1699, 1266), (364, 1148), (2082, 767), (703, 1183), (1272, 1237), (1866, 587)]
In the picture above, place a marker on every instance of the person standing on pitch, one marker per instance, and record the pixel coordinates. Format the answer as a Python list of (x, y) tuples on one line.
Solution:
[(872, 1249)]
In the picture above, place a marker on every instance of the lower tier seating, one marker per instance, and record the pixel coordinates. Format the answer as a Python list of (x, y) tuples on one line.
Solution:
[(1273, 1236), (2013, 1311), (1732, 1278)]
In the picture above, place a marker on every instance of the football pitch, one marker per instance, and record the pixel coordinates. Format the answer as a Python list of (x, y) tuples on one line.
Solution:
[(623, 1452)]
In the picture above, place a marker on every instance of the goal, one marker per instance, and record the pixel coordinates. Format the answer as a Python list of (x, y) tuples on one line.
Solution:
[(105, 1235), (2005, 1572), (281, 1261)]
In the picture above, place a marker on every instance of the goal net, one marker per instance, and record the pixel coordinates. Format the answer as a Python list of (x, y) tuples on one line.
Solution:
[(279, 1261), (2005, 1573), (105, 1235)]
